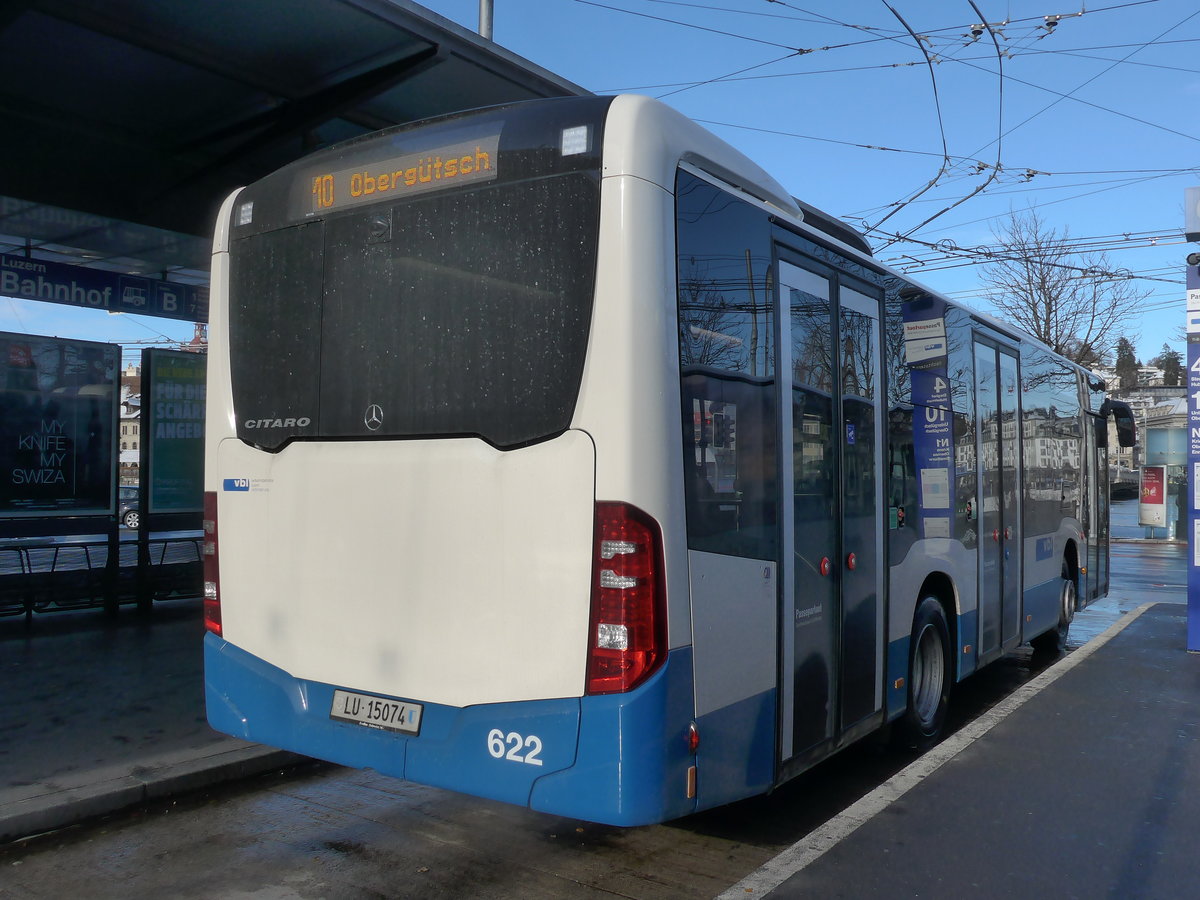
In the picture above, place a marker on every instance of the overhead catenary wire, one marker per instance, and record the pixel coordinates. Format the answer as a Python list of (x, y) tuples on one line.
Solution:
[(999, 139), (953, 256), (941, 123), (1017, 172), (1105, 71), (995, 170), (832, 21), (1054, 202), (1060, 96), (962, 177)]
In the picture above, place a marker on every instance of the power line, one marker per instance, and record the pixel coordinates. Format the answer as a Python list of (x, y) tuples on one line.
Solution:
[(717, 31), (999, 138), (1093, 243), (1023, 172), (937, 104), (982, 255), (1070, 94), (950, 48)]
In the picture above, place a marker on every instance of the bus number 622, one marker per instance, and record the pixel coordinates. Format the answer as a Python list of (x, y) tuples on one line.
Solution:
[(498, 741)]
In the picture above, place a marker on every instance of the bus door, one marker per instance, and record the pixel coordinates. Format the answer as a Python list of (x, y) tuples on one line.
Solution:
[(1096, 518), (831, 629), (997, 406)]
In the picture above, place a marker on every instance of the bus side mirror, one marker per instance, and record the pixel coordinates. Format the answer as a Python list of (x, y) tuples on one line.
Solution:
[(1122, 415)]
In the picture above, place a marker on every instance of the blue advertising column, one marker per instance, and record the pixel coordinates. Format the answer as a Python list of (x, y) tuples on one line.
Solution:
[(1193, 485)]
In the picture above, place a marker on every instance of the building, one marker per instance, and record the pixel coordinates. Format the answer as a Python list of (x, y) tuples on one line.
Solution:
[(131, 408)]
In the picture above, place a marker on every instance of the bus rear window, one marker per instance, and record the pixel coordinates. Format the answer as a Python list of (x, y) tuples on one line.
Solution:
[(464, 313)]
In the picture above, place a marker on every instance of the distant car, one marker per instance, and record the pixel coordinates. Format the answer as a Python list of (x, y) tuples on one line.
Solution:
[(128, 499)]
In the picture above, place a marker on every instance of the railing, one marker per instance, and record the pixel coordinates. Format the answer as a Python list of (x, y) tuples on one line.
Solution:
[(41, 575), (1123, 483)]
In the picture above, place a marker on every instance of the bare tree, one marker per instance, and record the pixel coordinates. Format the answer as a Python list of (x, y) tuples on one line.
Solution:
[(1078, 304)]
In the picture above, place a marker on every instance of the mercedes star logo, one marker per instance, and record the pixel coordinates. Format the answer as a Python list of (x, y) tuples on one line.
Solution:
[(373, 417)]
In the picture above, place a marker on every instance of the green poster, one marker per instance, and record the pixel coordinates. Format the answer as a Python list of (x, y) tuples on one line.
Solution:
[(173, 429)]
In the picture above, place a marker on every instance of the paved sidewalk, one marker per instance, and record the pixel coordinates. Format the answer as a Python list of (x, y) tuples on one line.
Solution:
[(97, 715), (1088, 786)]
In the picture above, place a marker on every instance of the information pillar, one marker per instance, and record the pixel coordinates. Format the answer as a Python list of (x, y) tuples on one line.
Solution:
[(1193, 485)]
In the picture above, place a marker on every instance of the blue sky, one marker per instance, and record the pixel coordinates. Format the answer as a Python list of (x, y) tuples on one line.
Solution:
[(132, 332), (1102, 106), (1096, 119)]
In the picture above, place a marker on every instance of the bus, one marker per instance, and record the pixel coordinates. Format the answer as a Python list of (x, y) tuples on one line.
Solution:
[(557, 455)]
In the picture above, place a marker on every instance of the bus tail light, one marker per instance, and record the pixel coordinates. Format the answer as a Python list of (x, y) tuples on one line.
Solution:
[(212, 572), (628, 634)]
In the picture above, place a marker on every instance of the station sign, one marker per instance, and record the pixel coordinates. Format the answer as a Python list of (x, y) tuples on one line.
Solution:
[(54, 282)]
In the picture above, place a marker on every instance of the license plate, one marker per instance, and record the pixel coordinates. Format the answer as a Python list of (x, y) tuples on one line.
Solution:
[(376, 712)]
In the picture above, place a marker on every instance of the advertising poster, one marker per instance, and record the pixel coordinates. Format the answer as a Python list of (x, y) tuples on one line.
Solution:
[(173, 394), (59, 403), (933, 445), (1152, 503)]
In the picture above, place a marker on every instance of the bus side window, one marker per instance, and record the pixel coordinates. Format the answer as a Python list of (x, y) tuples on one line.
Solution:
[(729, 467), (727, 371)]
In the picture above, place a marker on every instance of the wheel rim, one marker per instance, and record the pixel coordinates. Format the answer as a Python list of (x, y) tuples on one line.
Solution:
[(929, 673), (1068, 601)]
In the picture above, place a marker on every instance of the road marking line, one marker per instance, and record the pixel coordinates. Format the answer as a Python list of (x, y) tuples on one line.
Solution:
[(814, 845)]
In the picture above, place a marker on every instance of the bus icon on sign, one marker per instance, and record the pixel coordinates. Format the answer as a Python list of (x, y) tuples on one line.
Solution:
[(133, 295)]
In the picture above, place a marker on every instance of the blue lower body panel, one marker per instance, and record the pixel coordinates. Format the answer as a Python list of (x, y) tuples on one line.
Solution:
[(897, 677), (968, 634), (737, 750), (620, 759), (1042, 607)]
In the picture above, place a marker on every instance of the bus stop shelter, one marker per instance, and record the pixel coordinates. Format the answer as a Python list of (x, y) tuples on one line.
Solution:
[(127, 122)]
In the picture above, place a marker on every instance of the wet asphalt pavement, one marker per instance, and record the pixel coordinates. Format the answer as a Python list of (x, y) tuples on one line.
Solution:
[(321, 831)]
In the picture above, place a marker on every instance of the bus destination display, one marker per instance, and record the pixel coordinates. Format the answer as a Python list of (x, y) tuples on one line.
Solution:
[(396, 177)]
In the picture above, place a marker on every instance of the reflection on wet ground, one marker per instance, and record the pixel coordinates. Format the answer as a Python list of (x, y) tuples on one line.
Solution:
[(1124, 525), (1142, 572)]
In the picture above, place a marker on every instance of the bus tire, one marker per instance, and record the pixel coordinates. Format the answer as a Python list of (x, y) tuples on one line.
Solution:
[(929, 657), (1055, 640)]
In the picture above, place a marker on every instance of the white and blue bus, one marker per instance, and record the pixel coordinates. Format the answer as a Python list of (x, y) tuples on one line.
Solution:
[(557, 455)]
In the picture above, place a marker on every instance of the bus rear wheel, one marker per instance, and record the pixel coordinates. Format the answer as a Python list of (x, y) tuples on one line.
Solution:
[(1055, 640), (928, 678)]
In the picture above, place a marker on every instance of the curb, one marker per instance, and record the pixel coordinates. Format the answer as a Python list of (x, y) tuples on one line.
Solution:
[(33, 810)]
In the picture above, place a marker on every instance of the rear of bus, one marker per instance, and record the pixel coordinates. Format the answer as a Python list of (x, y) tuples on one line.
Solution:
[(443, 452)]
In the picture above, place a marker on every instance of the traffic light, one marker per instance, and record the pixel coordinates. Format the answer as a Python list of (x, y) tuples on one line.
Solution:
[(723, 430)]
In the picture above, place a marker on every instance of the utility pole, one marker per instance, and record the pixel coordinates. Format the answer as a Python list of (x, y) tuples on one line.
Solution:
[(485, 19)]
